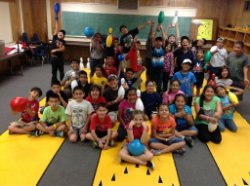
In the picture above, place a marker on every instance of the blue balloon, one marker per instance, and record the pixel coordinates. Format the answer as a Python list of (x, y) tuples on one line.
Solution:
[(88, 31), (136, 148), (121, 57), (57, 8)]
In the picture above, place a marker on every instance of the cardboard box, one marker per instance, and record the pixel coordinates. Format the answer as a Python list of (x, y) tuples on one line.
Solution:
[(2, 47)]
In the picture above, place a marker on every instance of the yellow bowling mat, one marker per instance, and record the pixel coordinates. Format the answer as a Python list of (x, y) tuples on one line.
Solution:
[(24, 159), (111, 172), (233, 154)]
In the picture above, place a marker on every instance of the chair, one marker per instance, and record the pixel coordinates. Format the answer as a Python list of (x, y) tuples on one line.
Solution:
[(40, 53)]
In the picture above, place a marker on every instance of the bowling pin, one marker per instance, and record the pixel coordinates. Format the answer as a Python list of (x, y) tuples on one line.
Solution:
[(121, 91), (212, 127), (73, 84), (139, 104), (175, 19), (88, 63), (81, 64)]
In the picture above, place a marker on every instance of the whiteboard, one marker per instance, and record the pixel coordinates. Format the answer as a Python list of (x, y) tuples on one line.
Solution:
[(5, 20)]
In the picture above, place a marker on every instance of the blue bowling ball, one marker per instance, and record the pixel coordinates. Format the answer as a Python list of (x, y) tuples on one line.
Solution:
[(88, 31), (121, 57), (136, 148)]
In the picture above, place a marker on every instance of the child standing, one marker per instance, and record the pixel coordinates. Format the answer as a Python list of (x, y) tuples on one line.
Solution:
[(53, 119), (125, 110), (163, 133), (137, 129), (228, 101), (95, 97), (238, 63), (29, 117), (219, 56), (100, 127), (183, 118), (78, 112), (187, 80), (157, 62), (198, 70), (98, 78), (208, 110), (96, 52), (151, 99), (175, 88)]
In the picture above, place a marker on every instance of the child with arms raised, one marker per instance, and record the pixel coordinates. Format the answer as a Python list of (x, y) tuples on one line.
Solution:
[(100, 127), (29, 117), (163, 133), (78, 112), (53, 119), (137, 129)]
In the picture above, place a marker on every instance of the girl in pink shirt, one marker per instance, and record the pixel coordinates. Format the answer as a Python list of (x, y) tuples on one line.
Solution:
[(169, 96)]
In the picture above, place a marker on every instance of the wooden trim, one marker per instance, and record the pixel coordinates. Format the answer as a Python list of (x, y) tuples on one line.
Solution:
[(15, 19)]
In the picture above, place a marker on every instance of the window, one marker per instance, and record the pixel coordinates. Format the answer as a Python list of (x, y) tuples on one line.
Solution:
[(247, 6)]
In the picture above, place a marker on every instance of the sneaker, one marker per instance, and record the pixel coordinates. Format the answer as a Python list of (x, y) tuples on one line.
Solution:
[(150, 165), (156, 152), (36, 133), (95, 145), (59, 133), (179, 151), (189, 141)]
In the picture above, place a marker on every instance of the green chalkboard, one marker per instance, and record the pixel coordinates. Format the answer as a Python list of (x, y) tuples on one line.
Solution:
[(75, 22)]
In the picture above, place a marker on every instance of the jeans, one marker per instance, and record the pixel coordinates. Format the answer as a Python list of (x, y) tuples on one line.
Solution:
[(229, 123), (57, 64)]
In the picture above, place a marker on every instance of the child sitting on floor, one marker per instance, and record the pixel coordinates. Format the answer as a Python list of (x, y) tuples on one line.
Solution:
[(95, 96), (100, 128), (137, 129), (184, 119), (29, 117), (163, 133), (78, 111), (228, 102), (169, 96), (53, 119)]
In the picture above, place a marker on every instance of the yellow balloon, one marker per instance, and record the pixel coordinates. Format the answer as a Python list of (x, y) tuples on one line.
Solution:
[(109, 40)]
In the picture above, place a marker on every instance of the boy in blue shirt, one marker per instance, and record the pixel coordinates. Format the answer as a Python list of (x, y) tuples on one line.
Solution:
[(187, 80)]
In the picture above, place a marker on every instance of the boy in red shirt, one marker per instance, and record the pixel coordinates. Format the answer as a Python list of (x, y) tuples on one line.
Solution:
[(100, 127), (29, 117)]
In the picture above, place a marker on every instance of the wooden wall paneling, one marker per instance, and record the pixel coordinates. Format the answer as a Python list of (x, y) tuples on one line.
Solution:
[(15, 19), (28, 15)]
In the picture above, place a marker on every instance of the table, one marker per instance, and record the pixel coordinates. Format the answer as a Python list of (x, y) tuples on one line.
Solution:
[(9, 58)]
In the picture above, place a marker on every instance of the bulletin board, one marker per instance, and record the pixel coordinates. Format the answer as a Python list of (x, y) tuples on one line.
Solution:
[(207, 30)]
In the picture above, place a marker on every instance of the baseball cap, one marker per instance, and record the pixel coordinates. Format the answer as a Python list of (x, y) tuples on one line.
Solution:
[(220, 39), (112, 76), (187, 61)]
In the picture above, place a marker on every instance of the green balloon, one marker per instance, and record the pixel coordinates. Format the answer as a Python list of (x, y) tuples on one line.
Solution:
[(208, 56), (161, 17)]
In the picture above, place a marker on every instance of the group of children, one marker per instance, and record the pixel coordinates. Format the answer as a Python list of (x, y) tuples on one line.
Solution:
[(90, 111)]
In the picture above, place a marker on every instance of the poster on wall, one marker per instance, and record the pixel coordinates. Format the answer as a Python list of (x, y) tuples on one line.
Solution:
[(205, 29)]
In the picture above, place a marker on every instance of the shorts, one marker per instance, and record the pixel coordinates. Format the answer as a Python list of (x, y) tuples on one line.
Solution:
[(22, 124), (181, 128), (101, 134), (77, 131), (169, 142), (199, 79)]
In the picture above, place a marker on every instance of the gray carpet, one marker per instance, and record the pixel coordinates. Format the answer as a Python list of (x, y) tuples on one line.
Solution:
[(75, 164)]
